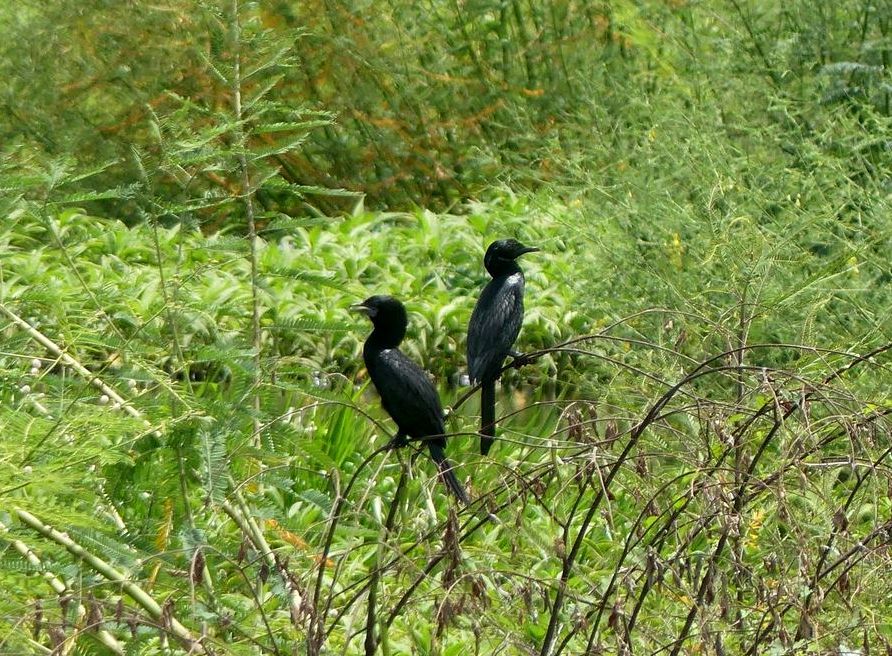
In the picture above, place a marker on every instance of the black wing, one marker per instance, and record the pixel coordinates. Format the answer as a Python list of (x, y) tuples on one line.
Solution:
[(495, 324), (407, 394)]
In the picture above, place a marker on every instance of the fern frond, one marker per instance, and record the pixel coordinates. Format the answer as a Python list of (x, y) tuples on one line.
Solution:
[(214, 464)]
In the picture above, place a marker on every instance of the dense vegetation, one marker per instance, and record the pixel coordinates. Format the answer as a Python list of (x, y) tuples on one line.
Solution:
[(697, 460)]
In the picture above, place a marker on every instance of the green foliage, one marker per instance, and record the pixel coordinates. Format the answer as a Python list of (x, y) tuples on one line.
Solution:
[(696, 460), (169, 310), (432, 103)]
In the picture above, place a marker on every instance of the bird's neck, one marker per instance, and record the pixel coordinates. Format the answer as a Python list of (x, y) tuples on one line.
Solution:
[(385, 338), (504, 269)]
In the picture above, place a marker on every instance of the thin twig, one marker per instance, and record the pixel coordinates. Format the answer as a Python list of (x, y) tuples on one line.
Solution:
[(140, 596), (247, 196), (67, 359)]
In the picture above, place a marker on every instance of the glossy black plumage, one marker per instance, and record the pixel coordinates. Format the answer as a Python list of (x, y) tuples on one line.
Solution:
[(494, 326), (406, 393)]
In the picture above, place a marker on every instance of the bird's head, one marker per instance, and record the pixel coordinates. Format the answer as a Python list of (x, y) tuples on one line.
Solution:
[(501, 254), (387, 315)]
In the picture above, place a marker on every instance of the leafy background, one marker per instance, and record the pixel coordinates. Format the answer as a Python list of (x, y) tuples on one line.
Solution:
[(194, 193)]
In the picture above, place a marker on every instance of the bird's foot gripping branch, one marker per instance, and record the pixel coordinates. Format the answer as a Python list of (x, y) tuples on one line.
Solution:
[(397, 442)]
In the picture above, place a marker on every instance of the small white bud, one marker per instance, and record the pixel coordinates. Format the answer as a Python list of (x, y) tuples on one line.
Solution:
[(36, 364), (27, 469), (25, 389), (131, 384), (103, 399)]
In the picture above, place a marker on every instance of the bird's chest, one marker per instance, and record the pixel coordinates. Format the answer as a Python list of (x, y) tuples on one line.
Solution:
[(515, 280), (507, 296), (381, 362)]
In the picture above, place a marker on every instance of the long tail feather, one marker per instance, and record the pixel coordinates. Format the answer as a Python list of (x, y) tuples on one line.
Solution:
[(447, 473), (487, 415)]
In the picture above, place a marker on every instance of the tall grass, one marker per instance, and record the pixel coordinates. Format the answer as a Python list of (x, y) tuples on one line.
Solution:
[(435, 103)]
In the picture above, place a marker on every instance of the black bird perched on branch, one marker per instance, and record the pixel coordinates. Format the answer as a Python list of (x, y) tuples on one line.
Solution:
[(406, 393), (495, 324)]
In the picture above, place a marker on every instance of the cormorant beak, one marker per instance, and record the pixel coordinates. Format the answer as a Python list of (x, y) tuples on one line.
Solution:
[(363, 309), (528, 249)]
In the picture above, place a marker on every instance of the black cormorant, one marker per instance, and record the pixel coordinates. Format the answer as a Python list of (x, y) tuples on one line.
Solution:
[(407, 394), (494, 326)]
